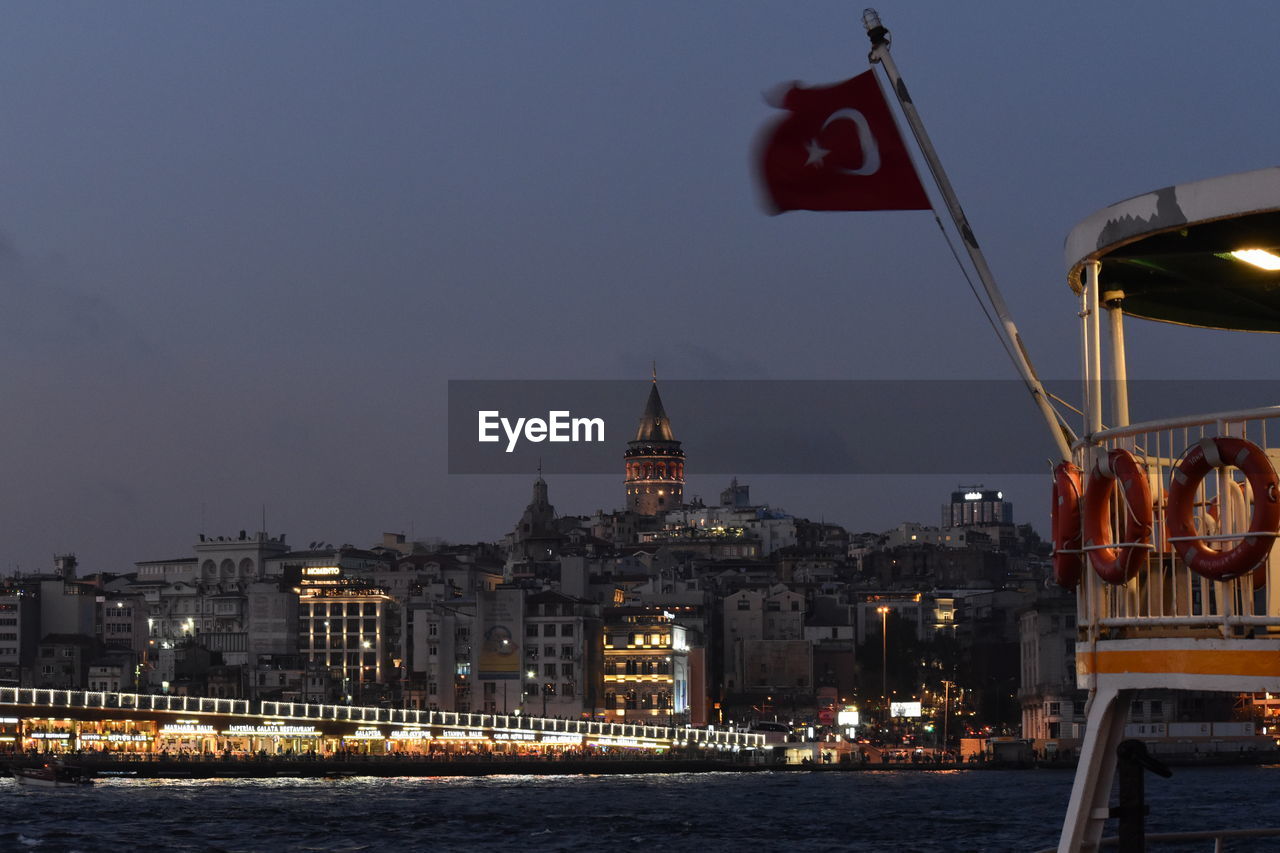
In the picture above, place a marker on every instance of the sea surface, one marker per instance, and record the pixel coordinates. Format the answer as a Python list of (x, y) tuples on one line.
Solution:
[(908, 810)]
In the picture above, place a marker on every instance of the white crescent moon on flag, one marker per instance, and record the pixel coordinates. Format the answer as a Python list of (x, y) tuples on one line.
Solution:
[(870, 150)]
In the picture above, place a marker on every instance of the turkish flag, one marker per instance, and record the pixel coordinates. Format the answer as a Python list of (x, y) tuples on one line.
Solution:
[(838, 149)]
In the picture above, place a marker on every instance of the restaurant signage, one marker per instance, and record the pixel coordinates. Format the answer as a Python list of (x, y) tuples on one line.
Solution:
[(410, 734), (464, 734), (272, 730)]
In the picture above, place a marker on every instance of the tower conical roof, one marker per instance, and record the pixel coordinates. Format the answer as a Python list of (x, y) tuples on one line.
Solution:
[(654, 425)]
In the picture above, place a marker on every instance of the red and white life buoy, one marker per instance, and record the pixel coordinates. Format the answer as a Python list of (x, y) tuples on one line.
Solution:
[(1119, 562), (1201, 458), (1068, 558)]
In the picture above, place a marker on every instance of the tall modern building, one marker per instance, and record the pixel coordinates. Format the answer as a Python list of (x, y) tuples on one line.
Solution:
[(974, 506), (654, 462)]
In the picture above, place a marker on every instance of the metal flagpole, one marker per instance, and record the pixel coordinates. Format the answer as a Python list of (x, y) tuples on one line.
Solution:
[(880, 53)]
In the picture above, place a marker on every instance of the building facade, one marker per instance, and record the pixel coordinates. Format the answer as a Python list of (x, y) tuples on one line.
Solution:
[(646, 668)]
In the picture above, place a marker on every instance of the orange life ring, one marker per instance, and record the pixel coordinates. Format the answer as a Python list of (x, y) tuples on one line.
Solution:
[(1068, 558), (1201, 458), (1117, 564)]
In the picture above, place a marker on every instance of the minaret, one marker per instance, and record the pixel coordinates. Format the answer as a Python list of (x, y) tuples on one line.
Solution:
[(654, 461)]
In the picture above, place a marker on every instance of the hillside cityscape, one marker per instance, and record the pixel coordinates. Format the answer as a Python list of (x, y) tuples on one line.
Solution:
[(670, 612)]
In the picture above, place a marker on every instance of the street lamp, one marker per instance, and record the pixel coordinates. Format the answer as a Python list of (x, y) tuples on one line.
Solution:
[(884, 654), (946, 711)]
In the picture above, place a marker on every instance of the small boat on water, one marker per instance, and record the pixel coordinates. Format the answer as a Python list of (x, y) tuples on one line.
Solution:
[(52, 776)]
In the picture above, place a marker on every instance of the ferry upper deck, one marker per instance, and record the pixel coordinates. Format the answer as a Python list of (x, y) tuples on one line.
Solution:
[(1166, 525)]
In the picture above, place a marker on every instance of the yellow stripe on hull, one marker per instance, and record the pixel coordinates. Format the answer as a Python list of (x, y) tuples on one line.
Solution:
[(1259, 663)]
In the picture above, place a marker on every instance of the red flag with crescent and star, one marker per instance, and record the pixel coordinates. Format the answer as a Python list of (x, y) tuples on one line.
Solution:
[(839, 149)]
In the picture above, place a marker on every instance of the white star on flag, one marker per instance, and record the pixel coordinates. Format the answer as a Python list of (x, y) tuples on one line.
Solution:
[(816, 153)]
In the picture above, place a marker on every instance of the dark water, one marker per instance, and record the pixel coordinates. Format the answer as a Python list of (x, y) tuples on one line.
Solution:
[(865, 811)]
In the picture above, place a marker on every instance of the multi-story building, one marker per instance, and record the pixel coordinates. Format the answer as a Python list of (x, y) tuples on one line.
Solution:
[(1052, 705), (829, 628), (913, 533), (430, 630), (562, 655), (977, 507), (716, 543), (233, 563), (204, 599), (62, 661), (646, 667), (271, 622), (124, 622), (352, 631), (873, 609), (67, 605), (162, 572), (110, 675), (771, 529), (765, 650), (19, 633)]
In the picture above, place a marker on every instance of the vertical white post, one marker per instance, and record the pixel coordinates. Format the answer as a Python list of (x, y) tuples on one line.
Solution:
[(1093, 414), (1225, 590), (1086, 361), (1091, 791), (1095, 346), (1114, 300), (1085, 598)]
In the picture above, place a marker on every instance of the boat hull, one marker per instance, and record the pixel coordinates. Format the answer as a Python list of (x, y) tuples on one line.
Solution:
[(48, 777)]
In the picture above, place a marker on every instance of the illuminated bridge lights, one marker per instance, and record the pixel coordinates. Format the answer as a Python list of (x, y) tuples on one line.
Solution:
[(189, 715)]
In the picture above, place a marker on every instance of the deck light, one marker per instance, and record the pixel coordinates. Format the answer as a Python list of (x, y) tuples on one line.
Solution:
[(1260, 258)]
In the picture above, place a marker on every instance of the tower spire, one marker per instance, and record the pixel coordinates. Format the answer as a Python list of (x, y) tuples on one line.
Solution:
[(654, 460)]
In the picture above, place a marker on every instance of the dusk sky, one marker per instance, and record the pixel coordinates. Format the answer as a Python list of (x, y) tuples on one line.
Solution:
[(244, 246)]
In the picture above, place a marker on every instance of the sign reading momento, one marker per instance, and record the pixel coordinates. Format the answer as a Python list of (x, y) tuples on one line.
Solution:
[(838, 149)]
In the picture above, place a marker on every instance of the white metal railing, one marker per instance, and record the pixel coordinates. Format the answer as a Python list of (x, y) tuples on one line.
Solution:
[(28, 697), (1165, 595)]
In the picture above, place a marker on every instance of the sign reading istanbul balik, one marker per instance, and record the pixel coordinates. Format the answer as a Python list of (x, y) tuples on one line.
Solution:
[(464, 734)]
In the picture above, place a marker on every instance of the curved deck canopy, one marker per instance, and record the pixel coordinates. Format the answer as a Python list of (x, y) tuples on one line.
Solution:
[(1205, 253)]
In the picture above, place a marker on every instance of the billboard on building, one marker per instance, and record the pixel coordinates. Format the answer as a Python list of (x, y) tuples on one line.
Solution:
[(904, 709), (500, 617)]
